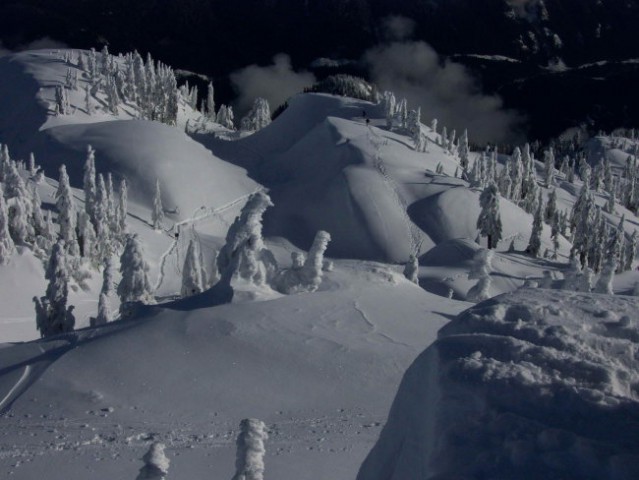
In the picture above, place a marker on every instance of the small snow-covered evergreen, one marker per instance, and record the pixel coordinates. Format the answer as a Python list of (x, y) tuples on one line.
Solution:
[(489, 221), (411, 269), (244, 250), (604, 282), (104, 312), (156, 464), (67, 216), (192, 282), (534, 244), (258, 117), (480, 271), (249, 461), (134, 285), (52, 314), (7, 246)]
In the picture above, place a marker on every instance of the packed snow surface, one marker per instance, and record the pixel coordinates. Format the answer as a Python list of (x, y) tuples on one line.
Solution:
[(532, 384)]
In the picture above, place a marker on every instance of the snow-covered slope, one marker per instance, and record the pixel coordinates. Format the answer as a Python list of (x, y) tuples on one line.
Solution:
[(140, 150), (319, 368), (533, 384)]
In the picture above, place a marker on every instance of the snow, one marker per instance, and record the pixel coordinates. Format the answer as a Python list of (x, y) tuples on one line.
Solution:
[(321, 368), (532, 384)]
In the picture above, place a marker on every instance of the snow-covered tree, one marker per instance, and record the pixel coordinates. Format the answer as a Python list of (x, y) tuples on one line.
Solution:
[(244, 250), (551, 207), (464, 151), (480, 271), (7, 247), (157, 216), (631, 251), (67, 215), (104, 312), (88, 105), (534, 244), (86, 236), (604, 282), (225, 117), (88, 182), (306, 274), (249, 459), (52, 314), (134, 285), (489, 221), (549, 167), (517, 169), (192, 283), (258, 117), (123, 206), (210, 102), (389, 108), (411, 269), (62, 106), (107, 277), (156, 464), (415, 128), (585, 280), (572, 275)]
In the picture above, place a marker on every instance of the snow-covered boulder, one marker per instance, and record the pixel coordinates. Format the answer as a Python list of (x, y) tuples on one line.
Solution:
[(533, 384)]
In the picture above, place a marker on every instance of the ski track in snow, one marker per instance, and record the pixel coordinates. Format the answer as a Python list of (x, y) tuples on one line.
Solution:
[(192, 221), (8, 397), (412, 231)]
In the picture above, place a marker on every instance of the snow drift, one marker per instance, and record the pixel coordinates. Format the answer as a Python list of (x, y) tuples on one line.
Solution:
[(533, 384)]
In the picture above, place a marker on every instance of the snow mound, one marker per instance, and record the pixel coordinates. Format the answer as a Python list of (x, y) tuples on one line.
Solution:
[(533, 384), (450, 252)]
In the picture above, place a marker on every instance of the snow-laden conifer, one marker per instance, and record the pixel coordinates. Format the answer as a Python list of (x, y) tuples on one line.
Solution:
[(411, 269), (551, 207), (572, 275), (464, 151), (534, 244), (225, 117), (88, 182), (480, 271), (67, 216), (7, 246), (244, 249), (52, 314), (104, 312), (249, 460), (306, 273), (258, 117), (631, 251), (123, 206), (210, 102), (192, 283), (489, 221), (86, 236), (604, 282), (156, 464), (585, 280), (549, 167), (107, 277), (134, 285)]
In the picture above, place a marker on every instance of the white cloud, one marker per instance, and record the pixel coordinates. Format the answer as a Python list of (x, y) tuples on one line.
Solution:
[(276, 83), (444, 90)]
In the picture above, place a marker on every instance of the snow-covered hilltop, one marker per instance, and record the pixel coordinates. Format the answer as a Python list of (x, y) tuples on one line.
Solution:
[(186, 274)]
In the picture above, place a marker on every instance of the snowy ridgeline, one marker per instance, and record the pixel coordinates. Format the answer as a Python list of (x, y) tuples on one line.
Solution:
[(529, 385)]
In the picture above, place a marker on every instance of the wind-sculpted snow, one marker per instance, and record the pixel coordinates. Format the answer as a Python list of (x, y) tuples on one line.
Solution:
[(533, 384)]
